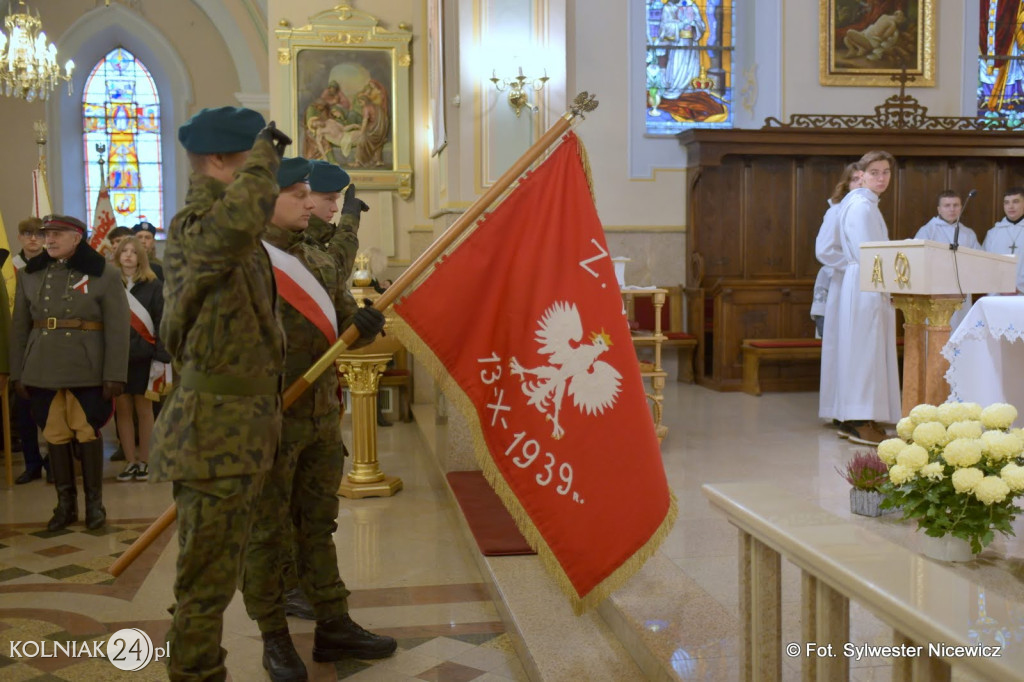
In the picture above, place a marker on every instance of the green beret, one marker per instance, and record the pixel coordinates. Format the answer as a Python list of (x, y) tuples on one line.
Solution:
[(63, 222), (221, 131), (327, 177), (291, 171)]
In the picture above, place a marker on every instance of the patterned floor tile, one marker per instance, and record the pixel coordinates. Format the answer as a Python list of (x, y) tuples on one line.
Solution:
[(451, 672), (66, 571), (58, 550)]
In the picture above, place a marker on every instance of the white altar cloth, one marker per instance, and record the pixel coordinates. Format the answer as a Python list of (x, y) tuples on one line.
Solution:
[(986, 354)]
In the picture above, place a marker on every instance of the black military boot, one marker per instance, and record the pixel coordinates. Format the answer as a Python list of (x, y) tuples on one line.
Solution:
[(63, 470), (280, 659), (92, 482), (342, 637), (296, 604)]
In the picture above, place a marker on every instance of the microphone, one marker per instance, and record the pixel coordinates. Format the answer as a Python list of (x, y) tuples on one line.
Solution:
[(956, 231)]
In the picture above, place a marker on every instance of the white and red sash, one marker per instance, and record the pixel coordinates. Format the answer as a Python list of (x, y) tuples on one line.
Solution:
[(301, 290), (159, 372), (141, 320)]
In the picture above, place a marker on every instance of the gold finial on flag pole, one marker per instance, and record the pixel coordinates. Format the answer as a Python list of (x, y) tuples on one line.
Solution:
[(40, 128), (101, 150)]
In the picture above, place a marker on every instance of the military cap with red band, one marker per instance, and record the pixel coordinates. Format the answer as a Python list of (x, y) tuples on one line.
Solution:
[(64, 222)]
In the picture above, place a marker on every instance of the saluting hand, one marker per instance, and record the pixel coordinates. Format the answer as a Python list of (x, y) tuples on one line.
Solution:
[(112, 389), (352, 205), (276, 137)]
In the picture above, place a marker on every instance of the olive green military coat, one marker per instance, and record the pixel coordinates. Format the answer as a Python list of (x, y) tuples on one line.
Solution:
[(84, 287)]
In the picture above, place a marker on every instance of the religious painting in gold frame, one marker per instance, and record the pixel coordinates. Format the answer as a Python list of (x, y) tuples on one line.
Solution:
[(867, 42), (347, 79)]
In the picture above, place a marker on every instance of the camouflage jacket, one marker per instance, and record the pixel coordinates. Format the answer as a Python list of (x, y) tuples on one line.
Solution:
[(83, 287), (341, 241), (306, 342), (220, 327)]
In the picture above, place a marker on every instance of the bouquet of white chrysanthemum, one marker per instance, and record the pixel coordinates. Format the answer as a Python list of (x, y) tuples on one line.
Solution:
[(956, 469)]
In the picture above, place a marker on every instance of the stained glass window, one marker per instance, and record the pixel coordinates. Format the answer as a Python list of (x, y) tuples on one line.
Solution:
[(689, 65), (121, 133), (1001, 60)]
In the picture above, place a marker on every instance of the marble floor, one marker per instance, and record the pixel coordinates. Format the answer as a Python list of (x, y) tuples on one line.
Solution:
[(416, 576)]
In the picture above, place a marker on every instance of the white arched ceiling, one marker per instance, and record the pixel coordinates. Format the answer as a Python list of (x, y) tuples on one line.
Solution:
[(252, 69)]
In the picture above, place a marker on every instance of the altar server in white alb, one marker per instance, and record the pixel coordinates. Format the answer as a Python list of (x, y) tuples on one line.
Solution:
[(1006, 235), (942, 228), (828, 249), (867, 389)]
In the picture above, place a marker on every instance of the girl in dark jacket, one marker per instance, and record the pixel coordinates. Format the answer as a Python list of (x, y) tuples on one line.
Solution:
[(146, 302)]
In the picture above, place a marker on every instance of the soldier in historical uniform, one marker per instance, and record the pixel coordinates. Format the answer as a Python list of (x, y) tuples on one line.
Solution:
[(302, 486), (218, 433), (69, 358)]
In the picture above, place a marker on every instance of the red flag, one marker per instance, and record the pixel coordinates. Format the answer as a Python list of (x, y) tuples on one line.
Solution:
[(102, 223), (526, 319)]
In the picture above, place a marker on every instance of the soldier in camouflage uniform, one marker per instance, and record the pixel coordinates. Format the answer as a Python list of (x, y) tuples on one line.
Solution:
[(301, 490), (218, 433), (341, 241)]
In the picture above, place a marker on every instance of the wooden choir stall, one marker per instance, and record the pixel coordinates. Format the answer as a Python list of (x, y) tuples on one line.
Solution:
[(756, 199)]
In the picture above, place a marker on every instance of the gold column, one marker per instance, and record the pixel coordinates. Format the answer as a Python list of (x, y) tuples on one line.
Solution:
[(941, 309), (915, 353), (924, 368), (365, 479)]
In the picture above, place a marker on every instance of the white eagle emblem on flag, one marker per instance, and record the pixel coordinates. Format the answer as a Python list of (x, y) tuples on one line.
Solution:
[(592, 383)]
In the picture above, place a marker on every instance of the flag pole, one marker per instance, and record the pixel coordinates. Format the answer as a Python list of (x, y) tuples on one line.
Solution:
[(584, 102)]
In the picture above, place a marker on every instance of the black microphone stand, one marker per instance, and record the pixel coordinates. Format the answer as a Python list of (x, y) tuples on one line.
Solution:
[(956, 231)]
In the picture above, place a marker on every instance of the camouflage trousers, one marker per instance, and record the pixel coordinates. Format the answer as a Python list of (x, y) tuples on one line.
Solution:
[(298, 503), (214, 519)]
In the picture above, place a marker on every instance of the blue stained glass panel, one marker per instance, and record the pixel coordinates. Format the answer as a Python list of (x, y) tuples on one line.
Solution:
[(121, 116), (688, 65)]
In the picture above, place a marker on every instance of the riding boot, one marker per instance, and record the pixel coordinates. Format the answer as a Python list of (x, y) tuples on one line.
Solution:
[(63, 470), (92, 482)]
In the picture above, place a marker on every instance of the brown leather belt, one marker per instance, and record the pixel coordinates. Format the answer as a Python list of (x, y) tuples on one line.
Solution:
[(54, 323)]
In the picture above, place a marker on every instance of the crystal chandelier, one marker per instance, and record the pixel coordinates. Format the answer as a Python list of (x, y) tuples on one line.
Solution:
[(28, 64)]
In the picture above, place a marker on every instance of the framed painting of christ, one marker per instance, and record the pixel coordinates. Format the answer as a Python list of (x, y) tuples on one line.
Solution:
[(347, 83), (870, 42)]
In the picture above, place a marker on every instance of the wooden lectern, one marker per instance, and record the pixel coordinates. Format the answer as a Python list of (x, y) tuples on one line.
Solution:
[(928, 281)]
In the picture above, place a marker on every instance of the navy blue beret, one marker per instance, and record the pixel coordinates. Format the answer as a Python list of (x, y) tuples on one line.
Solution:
[(144, 227), (221, 131), (327, 177), (291, 171)]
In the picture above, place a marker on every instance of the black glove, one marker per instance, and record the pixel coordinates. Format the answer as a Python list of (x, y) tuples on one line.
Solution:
[(276, 137), (369, 321), (112, 389), (20, 389), (352, 205)]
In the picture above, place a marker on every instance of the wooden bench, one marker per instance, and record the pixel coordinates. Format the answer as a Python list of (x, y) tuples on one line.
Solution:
[(924, 602), (756, 351), (642, 320)]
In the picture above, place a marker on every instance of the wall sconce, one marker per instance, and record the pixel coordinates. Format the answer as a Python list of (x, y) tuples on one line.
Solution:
[(517, 88)]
